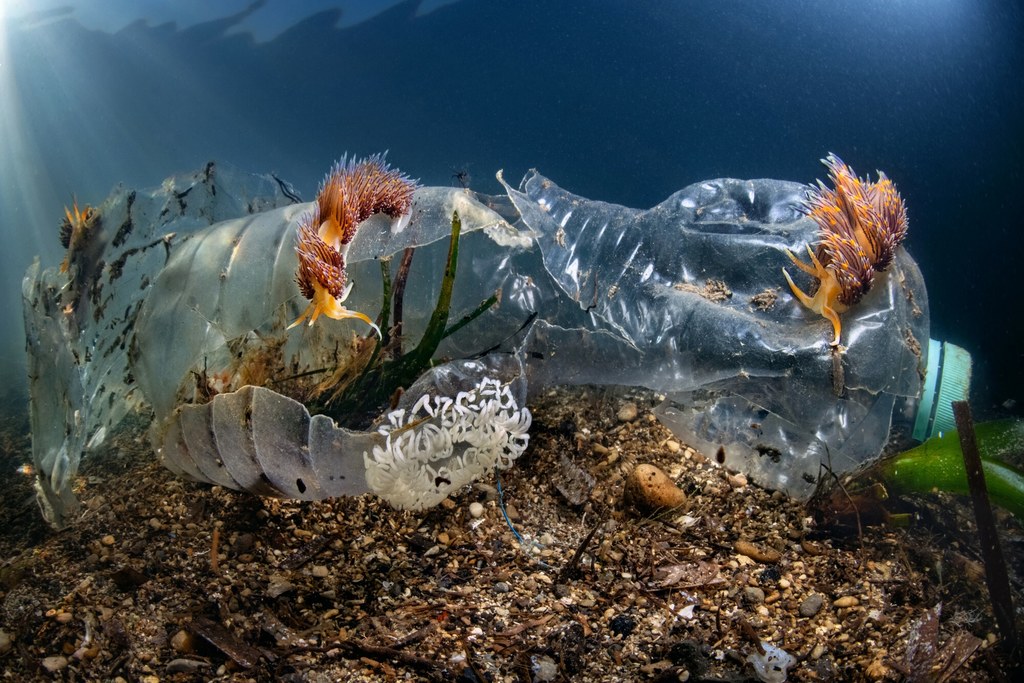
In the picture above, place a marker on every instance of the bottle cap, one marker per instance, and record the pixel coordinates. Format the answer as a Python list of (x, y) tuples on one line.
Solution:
[(947, 379)]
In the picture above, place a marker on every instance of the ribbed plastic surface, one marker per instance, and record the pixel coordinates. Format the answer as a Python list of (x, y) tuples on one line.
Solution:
[(954, 385), (931, 380)]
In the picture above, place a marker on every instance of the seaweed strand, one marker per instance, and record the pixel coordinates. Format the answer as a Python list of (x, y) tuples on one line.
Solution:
[(995, 566)]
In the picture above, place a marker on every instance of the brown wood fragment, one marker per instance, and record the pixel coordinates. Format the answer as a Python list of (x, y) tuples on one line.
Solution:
[(519, 628), (127, 578), (570, 570), (688, 575), (215, 551), (416, 636), (227, 642), (282, 634), (305, 553), (364, 649), (750, 634), (471, 660)]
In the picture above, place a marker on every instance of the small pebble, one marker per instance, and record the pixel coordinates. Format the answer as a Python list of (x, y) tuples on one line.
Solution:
[(846, 601), (628, 412), (107, 540), (738, 480), (649, 489), (476, 510), (673, 446), (183, 642), (502, 587), (184, 666), (6, 642), (279, 586), (53, 664), (811, 605), (757, 554), (544, 668), (320, 571), (753, 595)]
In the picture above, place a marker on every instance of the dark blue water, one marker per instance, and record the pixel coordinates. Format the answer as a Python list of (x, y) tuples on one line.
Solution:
[(620, 101)]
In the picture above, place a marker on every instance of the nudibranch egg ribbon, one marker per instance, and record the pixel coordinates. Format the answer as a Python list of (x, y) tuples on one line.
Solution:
[(860, 225), (352, 192)]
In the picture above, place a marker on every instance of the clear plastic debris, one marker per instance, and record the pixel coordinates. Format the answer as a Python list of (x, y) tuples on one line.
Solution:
[(80, 324), (773, 665), (687, 298)]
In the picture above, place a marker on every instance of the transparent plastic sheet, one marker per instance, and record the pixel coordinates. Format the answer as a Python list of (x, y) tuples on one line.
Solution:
[(79, 324), (187, 305), (227, 296), (688, 298)]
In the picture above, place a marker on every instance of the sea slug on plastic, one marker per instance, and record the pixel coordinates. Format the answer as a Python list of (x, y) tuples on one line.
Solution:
[(860, 225), (352, 192)]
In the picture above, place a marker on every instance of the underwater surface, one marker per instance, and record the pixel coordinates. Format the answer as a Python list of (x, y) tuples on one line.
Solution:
[(206, 247)]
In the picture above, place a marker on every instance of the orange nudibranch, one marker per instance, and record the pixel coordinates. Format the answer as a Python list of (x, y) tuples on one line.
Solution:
[(860, 226), (352, 192), (74, 230), (355, 190)]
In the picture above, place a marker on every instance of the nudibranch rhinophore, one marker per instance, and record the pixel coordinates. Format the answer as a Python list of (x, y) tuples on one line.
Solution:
[(860, 225), (74, 230), (352, 192)]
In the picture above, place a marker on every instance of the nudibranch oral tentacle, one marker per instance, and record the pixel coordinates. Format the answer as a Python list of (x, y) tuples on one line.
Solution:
[(860, 226), (352, 192)]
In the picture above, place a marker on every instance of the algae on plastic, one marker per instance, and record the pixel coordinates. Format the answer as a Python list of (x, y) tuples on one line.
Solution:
[(79, 325), (686, 298)]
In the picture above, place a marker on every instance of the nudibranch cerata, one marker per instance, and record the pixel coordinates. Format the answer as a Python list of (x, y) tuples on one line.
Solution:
[(860, 225), (75, 229), (352, 192)]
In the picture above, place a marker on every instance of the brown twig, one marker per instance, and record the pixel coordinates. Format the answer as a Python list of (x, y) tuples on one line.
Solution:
[(995, 566), (748, 632), (471, 660), (215, 551), (404, 658), (570, 568), (416, 636)]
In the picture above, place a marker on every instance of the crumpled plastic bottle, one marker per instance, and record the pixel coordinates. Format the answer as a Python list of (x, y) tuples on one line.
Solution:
[(686, 298)]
